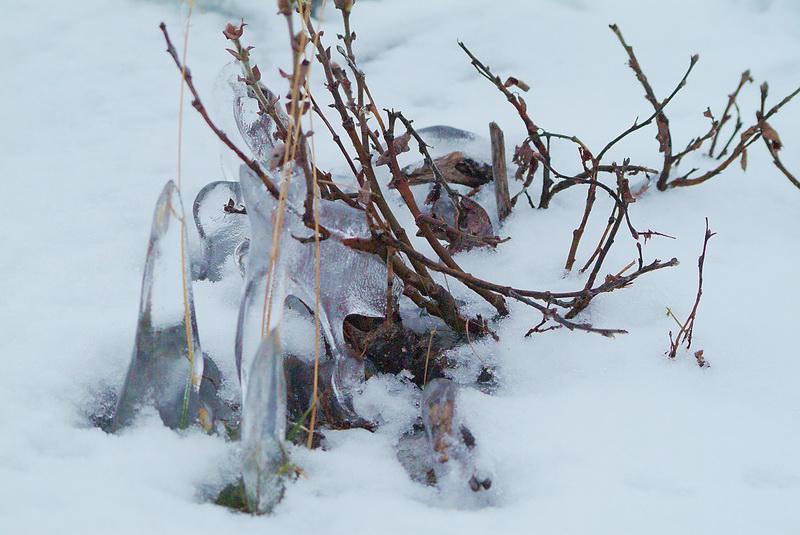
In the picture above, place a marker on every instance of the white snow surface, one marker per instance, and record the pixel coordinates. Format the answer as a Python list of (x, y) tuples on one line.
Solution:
[(587, 435)]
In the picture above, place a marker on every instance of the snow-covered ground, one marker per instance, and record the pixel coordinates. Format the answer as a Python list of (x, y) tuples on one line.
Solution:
[(587, 435)]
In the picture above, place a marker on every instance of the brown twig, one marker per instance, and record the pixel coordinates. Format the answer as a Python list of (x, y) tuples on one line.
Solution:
[(687, 328), (743, 79), (522, 109), (499, 172)]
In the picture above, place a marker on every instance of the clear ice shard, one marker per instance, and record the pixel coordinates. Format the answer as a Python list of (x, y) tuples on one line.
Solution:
[(351, 282), (167, 366), (454, 453), (221, 231), (264, 428)]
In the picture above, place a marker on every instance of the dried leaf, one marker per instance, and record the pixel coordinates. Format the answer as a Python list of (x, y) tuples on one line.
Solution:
[(234, 53), (527, 161), (744, 160), (625, 190), (473, 219), (232, 32), (771, 136), (399, 146), (345, 5), (285, 7), (701, 361), (663, 133), (512, 81)]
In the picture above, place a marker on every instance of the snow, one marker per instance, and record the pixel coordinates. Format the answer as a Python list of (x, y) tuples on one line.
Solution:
[(586, 435)]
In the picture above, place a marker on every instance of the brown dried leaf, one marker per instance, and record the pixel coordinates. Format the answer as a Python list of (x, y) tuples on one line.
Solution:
[(625, 190), (512, 81), (663, 133), (744, 160), (345, 5), (701, 361), (771, 136), (473, 219), (232, 32), (285, 7), (234, 53), (399, 145), (526, 159)]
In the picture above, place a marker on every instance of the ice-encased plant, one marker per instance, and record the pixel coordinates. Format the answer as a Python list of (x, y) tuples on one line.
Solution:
[(167, 367), (453, 449)]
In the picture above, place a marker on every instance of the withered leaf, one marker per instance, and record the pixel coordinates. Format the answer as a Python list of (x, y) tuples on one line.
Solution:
[(663, 133), (399, 145), (701, 361), (625, 190), (512, 81), (473, 219), (526, 159), (771, 136), (232, 32)]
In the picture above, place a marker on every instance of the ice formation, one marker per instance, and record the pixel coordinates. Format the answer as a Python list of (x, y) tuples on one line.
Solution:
[(264, 428), (168, 369), (221, 231), (351, 282), (455, 456)]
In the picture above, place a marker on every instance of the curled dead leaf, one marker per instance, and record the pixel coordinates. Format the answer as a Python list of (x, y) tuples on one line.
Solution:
[(232, 32)]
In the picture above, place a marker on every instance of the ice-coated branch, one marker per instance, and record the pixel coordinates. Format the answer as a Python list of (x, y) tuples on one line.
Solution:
[(197, 104)]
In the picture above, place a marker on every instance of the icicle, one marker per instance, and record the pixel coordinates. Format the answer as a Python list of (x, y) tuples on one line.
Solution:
[(167, 364), (264, 428)]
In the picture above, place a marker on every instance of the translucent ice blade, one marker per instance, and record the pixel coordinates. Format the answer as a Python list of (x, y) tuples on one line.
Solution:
[(257, 129), (265, 282), (264, 427), (456, 460), (167, 364), (221, 230)]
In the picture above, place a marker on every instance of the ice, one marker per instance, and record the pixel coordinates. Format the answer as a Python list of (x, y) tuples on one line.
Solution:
[(350, 282), (443, 139), (222, 232), (264, 428), (167, 367), (455, 457), (445, 133)]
